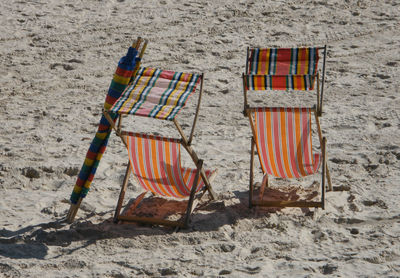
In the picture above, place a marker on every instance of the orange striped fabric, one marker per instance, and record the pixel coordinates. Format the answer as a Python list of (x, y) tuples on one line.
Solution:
[(283, 141), (156, 164)]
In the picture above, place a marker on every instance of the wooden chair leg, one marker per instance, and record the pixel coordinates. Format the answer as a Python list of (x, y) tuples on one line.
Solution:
[(122, 193), (245, 104), (318, 97), (192, 193), (251, 185), (322, 83), (323, 172), (328, 177)]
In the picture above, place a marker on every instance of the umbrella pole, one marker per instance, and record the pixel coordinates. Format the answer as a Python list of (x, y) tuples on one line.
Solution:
[(73, 210), (140, 56)]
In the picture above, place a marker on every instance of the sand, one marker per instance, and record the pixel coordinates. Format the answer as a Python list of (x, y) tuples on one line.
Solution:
[(57, 61)]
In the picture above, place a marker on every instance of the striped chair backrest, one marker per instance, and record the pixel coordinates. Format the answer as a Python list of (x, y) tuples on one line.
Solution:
[(157, 93), (283, 61), (156, 163), (283, 141)]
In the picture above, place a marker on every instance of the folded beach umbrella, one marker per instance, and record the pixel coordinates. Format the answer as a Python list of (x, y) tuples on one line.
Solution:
[(127, 67)]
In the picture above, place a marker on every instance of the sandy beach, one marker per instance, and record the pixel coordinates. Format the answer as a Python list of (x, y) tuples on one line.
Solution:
[(57, 61)]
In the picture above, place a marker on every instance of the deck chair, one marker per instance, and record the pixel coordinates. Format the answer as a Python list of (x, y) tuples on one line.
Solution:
[(284, 69), (282, 137), (155, 160)]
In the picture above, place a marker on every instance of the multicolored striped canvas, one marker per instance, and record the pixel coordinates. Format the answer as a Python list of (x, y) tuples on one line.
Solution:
[(156, 164), (279, 82), (283, 141), (157, 93), (98, 146), (283, 61)]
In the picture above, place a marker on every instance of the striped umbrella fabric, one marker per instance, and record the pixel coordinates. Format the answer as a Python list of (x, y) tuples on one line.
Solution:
[(98, 146), (157, 93), (280, 82), (156, 164), (283, 141), (283, 61)]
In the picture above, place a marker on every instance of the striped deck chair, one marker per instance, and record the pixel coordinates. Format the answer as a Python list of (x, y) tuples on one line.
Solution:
[(156, 164), (284, 69), (282, 137), (160, 94)]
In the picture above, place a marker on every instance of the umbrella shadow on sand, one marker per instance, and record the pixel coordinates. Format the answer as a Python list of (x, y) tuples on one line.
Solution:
[(22, 243), (34, 241)]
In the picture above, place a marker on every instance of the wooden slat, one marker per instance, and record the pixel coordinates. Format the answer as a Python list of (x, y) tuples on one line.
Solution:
[(149, 220), (301, 204), (149, 136)]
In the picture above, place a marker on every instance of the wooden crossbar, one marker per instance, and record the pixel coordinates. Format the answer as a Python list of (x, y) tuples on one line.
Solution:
[(301, 204), (149, 220), (149, 136)]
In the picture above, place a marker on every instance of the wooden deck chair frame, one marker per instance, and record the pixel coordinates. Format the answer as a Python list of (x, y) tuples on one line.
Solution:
[(186, 143), (320, 82), (139, 44), (324, 175)]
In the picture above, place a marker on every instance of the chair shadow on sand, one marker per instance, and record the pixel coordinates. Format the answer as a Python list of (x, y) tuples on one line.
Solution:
[(33, 241)]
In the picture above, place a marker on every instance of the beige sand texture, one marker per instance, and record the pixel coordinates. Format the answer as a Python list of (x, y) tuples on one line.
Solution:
[(57, 61)]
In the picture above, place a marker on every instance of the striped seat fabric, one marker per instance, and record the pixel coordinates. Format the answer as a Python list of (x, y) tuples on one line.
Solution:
[(283, 141), (156, 93), (156, 163)]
